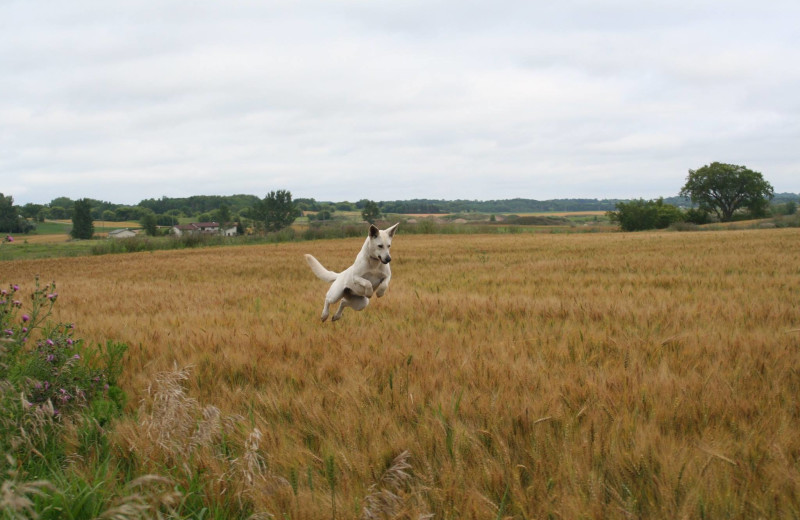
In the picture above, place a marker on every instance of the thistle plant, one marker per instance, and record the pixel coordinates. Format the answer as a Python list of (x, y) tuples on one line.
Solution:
[(46, 372)]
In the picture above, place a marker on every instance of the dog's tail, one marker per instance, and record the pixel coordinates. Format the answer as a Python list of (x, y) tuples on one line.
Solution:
[(322, 273)]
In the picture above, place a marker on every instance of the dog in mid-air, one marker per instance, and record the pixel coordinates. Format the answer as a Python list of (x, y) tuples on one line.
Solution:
[(369, 274)]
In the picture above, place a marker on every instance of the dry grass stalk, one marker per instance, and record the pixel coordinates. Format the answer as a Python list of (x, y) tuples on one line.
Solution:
[(16, 497), (148, 497), (391, 497), (171, 419)]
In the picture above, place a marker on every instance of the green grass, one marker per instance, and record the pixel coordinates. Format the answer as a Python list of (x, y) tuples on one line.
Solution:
[(25, 251), (51, 228)]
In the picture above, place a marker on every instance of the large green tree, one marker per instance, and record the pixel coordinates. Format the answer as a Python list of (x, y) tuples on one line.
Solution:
[(725, 188), (82, 223), (276, 211)]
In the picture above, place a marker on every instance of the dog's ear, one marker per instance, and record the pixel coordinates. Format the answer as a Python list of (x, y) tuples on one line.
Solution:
[(392, 229), (373, 231)]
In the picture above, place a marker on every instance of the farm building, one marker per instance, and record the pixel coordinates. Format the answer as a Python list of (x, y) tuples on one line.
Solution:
[(204, 228)]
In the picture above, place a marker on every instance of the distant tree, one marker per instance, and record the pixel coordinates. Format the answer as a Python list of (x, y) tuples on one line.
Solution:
[(638, 215), (9, 217), (370, 211), (345, 206), (109, 214), (62, 202), (223, 214), (31, 210), (149, 223), (82, 223), (58, 213), (276, 211), (306, 204), (725, 188)]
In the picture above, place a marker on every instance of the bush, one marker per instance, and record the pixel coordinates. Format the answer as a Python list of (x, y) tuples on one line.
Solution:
[(639, 215), (697, 216), (47, 374)]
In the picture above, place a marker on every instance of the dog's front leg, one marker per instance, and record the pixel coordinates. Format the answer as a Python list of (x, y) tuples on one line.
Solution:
[(381, 290), (362, 287)]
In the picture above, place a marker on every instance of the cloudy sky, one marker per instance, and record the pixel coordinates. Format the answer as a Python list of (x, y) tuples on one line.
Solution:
[(388, 99)]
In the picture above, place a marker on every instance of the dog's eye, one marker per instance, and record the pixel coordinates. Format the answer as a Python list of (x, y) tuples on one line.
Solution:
[(380, 247)]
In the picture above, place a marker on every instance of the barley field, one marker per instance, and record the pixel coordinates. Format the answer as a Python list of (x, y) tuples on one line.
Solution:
[(646, 375)]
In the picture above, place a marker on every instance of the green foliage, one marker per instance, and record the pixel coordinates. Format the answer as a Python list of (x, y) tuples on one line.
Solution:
[(46, 374), (697, 216), (82, 223), (10, 220), (638, 215), (149, 223), (199, 204), (725, 188), (370, 212), (276, 211)]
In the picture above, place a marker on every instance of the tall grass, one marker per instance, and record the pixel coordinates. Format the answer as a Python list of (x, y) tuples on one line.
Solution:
[(647, 375)]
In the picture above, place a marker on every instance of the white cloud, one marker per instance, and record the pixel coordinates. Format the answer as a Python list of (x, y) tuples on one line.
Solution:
[(354, 99)]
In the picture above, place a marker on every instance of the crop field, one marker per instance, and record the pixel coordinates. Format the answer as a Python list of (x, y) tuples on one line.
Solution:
[(608, 375)]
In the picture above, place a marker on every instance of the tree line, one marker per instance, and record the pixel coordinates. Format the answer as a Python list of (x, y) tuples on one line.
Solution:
[(717, 191)]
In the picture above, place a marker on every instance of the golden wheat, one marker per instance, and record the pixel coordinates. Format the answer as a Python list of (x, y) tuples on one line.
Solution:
[(597, 376)]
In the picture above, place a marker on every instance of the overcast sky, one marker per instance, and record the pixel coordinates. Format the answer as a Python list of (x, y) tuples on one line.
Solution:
[(386, 100)]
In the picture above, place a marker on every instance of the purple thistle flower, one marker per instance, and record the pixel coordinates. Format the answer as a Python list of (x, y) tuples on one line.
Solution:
[(50, 342), (24, 330), (15, 287), (25, 318), (70, 342), (50, 357), (76, 356)]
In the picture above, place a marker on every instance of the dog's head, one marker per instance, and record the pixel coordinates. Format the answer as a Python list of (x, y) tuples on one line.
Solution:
[(380, 242)]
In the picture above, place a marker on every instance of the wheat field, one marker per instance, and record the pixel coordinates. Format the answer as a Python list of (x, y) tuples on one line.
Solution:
[(647, 375)]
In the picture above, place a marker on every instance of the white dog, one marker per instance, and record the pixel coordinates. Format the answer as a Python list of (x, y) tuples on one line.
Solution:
[(369, 274)]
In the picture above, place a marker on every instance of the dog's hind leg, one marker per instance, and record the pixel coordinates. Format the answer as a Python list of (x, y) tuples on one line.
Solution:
[(355, 302), (335, 293), (326, 310)]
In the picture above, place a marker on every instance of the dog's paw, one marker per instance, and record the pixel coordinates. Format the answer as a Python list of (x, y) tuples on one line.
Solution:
[(335, 318)]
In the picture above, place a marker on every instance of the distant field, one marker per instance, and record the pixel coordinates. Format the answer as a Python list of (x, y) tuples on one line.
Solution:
[(40, 239), (647, 375)]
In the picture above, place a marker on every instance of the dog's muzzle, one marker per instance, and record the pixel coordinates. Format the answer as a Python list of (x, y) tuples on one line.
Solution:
[(386, 260)]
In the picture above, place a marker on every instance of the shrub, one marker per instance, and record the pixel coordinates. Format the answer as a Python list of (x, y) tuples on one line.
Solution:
[(46, 373), (638, 215), (697, 216)]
